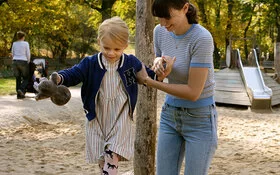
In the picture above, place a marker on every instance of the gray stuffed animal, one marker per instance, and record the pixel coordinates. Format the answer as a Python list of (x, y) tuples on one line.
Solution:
[(59, 94)]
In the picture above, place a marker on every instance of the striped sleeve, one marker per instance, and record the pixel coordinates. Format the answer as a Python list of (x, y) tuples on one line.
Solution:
[(202, 55)]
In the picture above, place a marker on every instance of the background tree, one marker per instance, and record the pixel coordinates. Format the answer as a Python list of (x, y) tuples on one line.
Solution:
[(247, 13), (273, 11), (126, 10), (102, 6), (229, 21), (144, 154), (85, 28), (63, 29)]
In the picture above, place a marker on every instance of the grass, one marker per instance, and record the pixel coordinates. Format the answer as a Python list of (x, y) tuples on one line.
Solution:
[(7, 86)]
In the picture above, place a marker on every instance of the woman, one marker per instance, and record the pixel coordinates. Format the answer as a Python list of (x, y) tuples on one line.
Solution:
[(21, 59), (188, 123)]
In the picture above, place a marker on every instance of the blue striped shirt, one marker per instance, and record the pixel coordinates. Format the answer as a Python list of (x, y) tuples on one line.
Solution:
[(192, 49)]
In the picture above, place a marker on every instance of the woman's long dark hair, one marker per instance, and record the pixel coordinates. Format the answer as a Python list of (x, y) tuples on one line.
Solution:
[(161, 8)]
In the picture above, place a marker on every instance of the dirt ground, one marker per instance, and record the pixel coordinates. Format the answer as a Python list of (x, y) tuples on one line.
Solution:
[(40, 138)]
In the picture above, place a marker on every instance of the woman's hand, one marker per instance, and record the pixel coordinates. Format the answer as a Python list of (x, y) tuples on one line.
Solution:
[(158, 66), (169, 61), (163, 66)]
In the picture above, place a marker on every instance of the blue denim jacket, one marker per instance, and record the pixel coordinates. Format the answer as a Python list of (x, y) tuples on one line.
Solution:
[(90, 71)]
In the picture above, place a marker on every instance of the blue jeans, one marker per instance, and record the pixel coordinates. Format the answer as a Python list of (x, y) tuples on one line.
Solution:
[(189, 133)]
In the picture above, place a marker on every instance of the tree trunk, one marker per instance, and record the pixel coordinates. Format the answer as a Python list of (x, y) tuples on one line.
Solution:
[(277, 61), (229, 21), (202, 10), (218, 13), (277, 53), (144, 154), (106, 10), (245, 37)]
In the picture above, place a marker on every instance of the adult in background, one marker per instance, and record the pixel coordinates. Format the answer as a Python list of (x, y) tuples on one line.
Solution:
[(21, 59), (188, 123)]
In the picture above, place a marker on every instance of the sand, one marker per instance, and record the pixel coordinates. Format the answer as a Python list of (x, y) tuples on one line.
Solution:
[(40, 138)]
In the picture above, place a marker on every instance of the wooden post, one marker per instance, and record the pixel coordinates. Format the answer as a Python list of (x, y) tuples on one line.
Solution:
[(277, 61), (144, 154)]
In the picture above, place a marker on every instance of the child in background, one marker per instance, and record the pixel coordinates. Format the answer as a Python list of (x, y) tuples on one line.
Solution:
[(109, 95)]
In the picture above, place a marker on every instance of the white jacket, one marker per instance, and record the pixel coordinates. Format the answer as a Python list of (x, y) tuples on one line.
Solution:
[(21, 51)]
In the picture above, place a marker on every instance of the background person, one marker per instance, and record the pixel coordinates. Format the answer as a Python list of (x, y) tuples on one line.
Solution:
[(21, 59)]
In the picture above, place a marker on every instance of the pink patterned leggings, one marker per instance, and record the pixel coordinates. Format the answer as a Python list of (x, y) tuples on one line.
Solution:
[(109, 165)]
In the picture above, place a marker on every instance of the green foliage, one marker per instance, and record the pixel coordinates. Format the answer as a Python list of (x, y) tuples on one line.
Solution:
[(126, 10), (54, 25), (253, 23), (68, 28)]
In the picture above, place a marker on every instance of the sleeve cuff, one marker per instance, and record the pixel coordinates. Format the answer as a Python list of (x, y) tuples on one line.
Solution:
[(62, 79)]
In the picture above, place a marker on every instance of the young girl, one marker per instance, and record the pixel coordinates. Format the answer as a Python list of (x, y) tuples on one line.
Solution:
[(109, 95)]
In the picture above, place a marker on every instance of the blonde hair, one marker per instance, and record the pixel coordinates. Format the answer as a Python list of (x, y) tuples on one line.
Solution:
[(115, 28)]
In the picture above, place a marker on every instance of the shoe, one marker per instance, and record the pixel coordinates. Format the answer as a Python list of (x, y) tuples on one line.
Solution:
[(20, 97), (20, 94)]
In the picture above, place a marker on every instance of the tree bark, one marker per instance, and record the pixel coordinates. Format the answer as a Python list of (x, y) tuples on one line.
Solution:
[(277, 61), (229, 21), (144, 154), (245, 36), (277, 52), (106, 10), (202, 10)]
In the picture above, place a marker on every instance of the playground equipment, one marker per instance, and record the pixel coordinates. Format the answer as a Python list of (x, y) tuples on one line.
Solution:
[(245, 84), (259, 94)]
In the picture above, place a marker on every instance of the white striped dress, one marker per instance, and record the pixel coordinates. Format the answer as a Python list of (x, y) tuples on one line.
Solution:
[(112, 126)]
